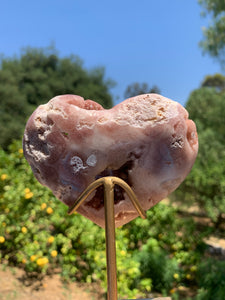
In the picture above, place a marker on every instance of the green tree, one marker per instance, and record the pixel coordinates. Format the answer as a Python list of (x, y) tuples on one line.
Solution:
[(206, 182), (37, 76), (213, 41), (136, 88), (214, 81)]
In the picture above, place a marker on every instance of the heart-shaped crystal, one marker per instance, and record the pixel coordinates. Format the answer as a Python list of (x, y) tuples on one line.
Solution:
[(148, 141)]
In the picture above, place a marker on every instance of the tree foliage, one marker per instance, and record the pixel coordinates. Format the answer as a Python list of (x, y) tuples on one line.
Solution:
[(214, 81), (213, 41), (206, 182), (136, 88), (37, 76)]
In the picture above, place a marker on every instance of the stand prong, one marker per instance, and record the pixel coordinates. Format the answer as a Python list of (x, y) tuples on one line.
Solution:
[(94, 185), (131, 195)]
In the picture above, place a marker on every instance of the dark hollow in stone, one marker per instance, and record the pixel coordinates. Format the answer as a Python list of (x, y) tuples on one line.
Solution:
[(97, 201)]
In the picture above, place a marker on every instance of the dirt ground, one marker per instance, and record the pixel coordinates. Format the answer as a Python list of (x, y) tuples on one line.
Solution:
[(14, 285)]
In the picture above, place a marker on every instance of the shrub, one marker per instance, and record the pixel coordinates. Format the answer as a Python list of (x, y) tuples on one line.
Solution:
[(156, 264), (211, 280)]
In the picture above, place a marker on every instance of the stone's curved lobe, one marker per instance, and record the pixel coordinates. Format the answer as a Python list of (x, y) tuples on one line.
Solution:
[(148, 141)]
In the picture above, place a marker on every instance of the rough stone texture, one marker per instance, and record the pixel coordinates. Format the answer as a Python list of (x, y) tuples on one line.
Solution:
[(147, 140)]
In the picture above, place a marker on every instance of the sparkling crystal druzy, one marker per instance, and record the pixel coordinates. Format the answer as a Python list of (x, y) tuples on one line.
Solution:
[(148, 141)]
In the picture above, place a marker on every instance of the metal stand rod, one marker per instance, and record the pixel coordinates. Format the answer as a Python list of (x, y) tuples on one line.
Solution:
[(109, 183), (110, 239)]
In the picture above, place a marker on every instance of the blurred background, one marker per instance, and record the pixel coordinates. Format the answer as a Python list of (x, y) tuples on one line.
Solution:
[(109, 51)]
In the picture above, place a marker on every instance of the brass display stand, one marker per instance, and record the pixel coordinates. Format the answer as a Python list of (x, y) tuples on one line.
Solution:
[(108, 183)]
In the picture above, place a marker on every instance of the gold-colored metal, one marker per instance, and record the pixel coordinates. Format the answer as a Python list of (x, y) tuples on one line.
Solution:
[(109, 183), (110, 239), (131, 195), (85, 194), (101, 181)]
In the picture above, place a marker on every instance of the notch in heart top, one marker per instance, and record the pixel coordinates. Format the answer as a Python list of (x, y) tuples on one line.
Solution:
[(147, 140)]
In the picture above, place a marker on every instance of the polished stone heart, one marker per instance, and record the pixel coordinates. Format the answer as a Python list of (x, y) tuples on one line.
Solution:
[(148, 141)]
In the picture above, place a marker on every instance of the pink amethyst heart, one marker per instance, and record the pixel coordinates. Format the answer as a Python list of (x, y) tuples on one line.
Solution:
[(148, 141)]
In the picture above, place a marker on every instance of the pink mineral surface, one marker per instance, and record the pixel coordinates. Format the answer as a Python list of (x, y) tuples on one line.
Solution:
[(147, 140)]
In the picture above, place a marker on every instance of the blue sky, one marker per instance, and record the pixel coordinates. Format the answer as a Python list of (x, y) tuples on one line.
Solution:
[(135, 40)]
